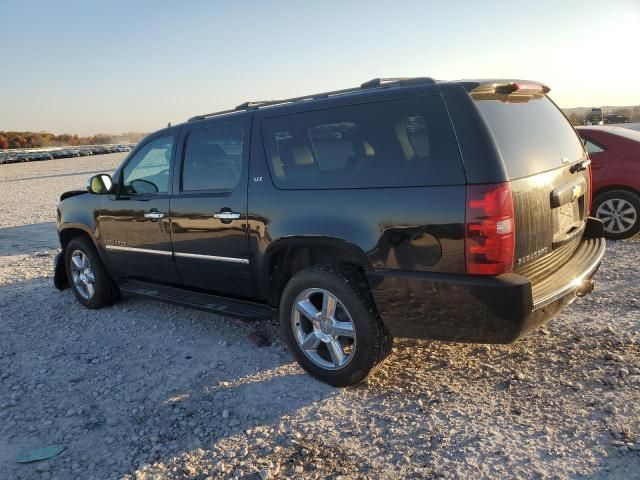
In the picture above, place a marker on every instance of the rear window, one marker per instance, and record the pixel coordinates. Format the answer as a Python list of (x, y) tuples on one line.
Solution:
[(394, 143), (533, 135)]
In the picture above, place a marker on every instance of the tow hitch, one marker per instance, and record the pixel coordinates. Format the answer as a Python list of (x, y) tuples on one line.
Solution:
[(585, 288)]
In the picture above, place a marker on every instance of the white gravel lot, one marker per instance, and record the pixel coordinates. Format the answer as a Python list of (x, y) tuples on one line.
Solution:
[(149, 391)]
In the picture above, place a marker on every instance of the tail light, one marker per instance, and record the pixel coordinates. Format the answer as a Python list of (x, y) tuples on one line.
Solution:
[(590, 192), (489, 230)]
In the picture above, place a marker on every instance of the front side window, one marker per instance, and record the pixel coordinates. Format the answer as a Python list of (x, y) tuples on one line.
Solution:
[(393, 143), (213, 159), (147, 173)]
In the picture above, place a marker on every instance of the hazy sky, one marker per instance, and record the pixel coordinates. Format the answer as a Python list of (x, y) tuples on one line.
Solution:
[(114, 66)]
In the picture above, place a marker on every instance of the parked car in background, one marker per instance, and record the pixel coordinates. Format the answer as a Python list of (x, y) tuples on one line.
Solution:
[(453, 211), (595, 117), (615, 161), (610, 118)]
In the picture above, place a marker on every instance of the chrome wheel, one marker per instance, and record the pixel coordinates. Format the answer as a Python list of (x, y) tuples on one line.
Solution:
[(618, 215), (82, 274), (323, 328)]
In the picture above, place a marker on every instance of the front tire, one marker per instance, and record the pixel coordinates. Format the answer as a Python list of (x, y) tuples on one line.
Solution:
[(331, 326), (619, 210), (89, 280)]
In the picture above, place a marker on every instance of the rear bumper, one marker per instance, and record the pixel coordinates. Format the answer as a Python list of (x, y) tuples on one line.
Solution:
[(464, 308)]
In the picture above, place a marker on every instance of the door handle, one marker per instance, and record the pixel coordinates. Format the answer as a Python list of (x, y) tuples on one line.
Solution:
[(227, 215), (154, 215)]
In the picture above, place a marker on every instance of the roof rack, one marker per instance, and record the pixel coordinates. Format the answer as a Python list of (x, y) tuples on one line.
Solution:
[(400, 81), (374, 83)]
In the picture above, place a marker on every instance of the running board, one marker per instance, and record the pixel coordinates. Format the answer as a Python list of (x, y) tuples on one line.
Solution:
[(206, 302)]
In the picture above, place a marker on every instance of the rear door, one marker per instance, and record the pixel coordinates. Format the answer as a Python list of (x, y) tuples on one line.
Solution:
[(543, 157), (209, 207)]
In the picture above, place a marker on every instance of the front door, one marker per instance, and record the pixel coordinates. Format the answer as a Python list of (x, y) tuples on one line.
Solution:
[(209, 209), (134, 225)]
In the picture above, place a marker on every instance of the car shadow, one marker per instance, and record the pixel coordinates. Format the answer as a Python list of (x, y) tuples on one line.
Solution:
[(28, 239)]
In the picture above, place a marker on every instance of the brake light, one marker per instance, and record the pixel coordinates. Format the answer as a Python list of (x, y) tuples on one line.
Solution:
[(590, 193), (523, 88), (489, 229)]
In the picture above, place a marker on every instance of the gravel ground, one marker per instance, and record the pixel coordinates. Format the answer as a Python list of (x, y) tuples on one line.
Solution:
[(149, 391)]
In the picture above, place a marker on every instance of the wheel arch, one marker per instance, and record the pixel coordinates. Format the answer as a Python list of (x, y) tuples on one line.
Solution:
[(69, 231), (610, 188), (287, 256)]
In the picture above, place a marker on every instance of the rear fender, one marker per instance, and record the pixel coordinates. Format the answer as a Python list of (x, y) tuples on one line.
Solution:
[(344, 252)]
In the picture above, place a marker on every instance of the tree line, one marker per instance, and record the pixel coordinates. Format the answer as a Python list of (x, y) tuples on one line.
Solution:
[(45, 139)]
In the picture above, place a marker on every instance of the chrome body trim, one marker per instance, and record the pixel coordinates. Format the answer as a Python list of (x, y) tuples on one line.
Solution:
[(212, 257), (140, 250), (179, 254)]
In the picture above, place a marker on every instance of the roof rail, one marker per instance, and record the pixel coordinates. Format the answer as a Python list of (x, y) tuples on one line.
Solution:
[(252, 105), (375, 83), (399, 81)]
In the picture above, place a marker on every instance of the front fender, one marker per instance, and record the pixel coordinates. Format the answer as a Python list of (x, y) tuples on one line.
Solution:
[(77, 216)]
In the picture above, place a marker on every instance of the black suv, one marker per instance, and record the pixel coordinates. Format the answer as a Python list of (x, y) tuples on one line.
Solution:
[(455, 211)]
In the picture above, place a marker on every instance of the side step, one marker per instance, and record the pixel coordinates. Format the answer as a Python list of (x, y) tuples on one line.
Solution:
[(228, 307)]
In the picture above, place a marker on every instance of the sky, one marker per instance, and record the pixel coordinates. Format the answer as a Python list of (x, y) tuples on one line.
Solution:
[(118, 66)]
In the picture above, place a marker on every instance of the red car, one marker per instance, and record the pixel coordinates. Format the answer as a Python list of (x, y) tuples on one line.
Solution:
[(615, 162)]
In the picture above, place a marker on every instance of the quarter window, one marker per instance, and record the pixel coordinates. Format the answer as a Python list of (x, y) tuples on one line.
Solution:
[(213, 159), (147, 172), (591, 147), (394, 143)]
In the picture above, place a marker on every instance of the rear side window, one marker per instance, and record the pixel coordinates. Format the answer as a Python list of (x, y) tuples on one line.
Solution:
[(213, 159), (532, 134), (394, 143)]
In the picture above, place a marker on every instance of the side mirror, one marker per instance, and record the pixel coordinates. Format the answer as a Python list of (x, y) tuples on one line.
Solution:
[(99, 184)]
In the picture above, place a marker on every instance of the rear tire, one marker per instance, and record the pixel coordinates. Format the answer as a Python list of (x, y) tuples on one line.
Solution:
[(88, 278), (339, 348), (619, 210)]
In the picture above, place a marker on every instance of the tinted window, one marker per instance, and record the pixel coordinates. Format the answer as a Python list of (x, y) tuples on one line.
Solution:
[(394, 143), (148, 171), (533, 135), (595, 115), (213, 159)]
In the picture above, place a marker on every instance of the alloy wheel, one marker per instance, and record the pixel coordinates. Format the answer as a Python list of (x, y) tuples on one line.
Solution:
[(617, 214), (82, 274), (323, 328)]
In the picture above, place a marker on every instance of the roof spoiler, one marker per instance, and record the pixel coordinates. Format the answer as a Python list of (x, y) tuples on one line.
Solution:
[(518, 88)]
